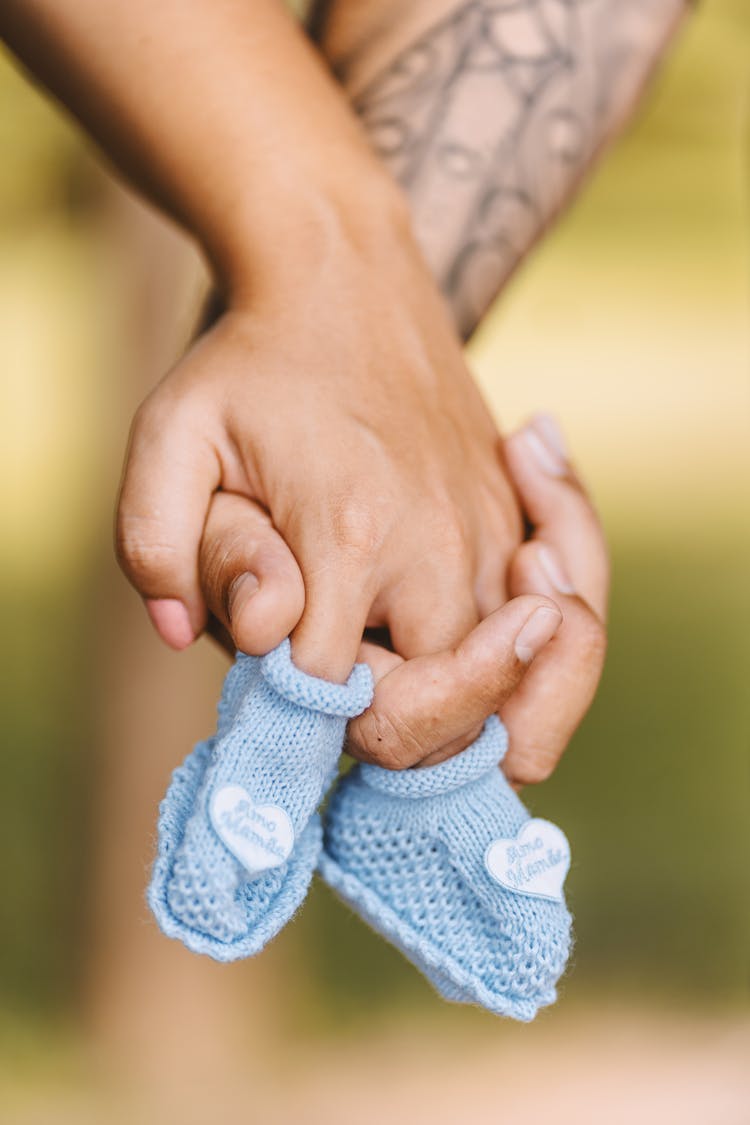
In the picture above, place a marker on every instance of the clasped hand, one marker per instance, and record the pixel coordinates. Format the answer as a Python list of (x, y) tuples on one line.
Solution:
[(320, 463)]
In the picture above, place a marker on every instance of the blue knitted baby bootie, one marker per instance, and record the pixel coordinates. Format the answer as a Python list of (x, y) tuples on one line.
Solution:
[(447, 864), (239, 837)]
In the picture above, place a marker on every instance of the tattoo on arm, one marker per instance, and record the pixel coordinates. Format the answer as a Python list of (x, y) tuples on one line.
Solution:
[(491, 115)]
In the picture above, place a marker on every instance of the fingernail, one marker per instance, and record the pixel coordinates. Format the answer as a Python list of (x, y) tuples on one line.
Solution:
[(554, 570), (240, 593), (540, 628), (546, 456), (171, 620), (549, 428)]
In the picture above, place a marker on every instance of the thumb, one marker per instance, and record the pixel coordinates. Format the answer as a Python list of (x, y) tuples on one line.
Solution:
[(428, 709)]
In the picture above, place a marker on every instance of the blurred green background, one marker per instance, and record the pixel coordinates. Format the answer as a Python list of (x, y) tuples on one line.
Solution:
[(633, 324)]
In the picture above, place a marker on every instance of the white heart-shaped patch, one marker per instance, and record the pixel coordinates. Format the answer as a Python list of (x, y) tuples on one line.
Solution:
[(259, 836), (535, 863)]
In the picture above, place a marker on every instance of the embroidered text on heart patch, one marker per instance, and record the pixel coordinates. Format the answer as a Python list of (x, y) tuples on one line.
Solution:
[(535, 863), (259, 836)]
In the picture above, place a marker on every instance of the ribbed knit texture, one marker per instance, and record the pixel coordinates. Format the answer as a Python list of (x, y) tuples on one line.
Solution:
[(279, 737), (407, 851)]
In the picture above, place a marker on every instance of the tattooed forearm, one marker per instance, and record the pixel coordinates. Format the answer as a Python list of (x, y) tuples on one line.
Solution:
[(489, 112)]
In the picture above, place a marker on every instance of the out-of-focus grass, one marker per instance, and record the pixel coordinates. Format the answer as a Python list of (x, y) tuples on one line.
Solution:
[(632, 323), (47, 784)]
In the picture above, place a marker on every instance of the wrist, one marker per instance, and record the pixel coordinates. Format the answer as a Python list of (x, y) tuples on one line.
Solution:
[(283, 233)]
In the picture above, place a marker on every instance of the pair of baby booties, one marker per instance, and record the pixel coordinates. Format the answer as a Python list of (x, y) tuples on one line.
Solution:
[(445, 862)]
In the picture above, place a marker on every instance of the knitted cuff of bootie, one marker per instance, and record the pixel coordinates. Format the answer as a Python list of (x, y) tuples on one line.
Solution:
[(480, 758), (238, 834), (447, 864)]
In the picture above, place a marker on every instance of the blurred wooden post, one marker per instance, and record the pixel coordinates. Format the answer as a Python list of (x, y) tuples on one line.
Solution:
[(157, 1010)]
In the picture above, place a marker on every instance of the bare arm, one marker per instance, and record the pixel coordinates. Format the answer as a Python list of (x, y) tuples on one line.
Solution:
[(220, 112), (332, 389)]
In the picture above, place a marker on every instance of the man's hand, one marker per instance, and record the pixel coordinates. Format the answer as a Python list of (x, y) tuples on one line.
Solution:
[(566, 559)]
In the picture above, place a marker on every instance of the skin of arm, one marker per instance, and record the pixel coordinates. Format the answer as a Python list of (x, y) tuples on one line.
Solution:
[(185, 98)]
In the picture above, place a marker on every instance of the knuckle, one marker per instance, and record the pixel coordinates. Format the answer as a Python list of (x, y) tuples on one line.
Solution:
[(356, 527), (489, 686), (577, 489), (577, 507), (521, 569), (142, 552), (389, 741), (501, 514), (524, 557), (593, 640), (532, 765), (147, 420), (219, 555), (171, 412), (452, 539)]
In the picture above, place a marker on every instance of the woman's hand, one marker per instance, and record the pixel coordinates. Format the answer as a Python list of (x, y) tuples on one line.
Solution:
[(333, 390), (339, 400)]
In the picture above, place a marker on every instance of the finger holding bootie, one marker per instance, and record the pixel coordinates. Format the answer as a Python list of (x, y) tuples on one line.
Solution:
[(447, 864), (239, 837)]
